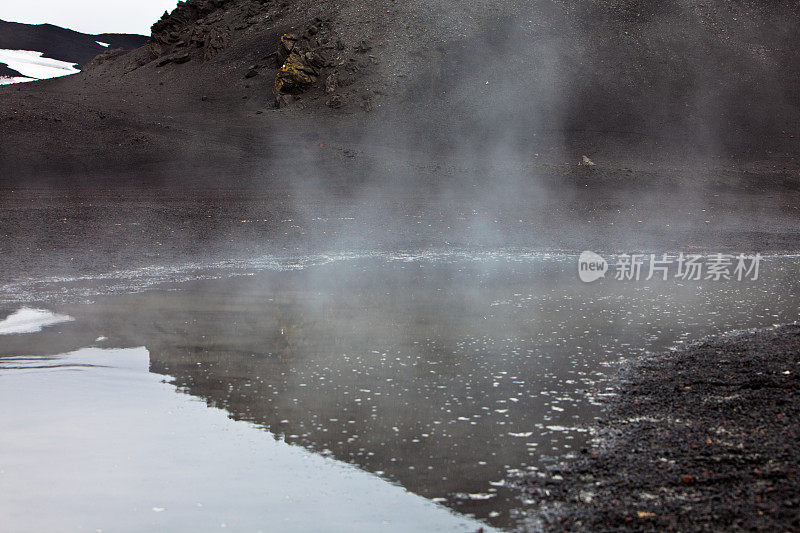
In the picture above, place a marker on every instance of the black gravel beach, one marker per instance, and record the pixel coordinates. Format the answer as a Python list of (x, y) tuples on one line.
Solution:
[(702, 438)]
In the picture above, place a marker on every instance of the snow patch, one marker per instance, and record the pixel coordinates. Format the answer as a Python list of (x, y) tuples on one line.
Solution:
[(32, 65), (8, 80), (105, 45)]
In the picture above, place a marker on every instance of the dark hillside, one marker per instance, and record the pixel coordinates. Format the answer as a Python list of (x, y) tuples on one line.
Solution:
[(61, 43), (223, 85)]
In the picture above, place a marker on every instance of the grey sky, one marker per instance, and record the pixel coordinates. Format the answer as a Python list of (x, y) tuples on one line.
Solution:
[(89, 16)]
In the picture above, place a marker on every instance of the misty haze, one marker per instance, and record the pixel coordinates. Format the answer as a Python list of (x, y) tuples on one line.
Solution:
[(400, 265)]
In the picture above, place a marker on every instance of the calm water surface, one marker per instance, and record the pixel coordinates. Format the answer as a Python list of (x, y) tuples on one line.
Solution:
[(444, 374)]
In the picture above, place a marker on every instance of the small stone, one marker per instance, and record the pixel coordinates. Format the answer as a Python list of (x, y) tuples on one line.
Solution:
[(335, 102), (182, 57), (283, 100), (331, 83), (363, 47)]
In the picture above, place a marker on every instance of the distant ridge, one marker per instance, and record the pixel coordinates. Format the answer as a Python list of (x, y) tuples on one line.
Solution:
[(61, 43), (5, 71)]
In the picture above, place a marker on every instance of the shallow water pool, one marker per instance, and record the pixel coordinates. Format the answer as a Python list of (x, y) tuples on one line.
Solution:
[(445, 374)]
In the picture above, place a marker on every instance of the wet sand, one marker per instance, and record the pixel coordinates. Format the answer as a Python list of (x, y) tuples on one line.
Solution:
[(74, 231), (702, 438)]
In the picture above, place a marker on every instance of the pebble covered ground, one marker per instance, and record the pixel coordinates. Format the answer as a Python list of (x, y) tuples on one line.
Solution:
[(701, 439)]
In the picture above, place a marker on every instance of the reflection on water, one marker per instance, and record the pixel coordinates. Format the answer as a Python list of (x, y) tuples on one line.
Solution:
[(28, 320), (97, 443), (446, 375)]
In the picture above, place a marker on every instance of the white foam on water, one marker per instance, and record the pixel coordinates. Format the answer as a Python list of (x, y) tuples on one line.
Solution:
[(142, 278), (57, 288), (27, 320)]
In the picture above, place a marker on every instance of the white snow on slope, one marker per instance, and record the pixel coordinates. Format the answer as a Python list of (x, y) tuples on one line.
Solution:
[(103, 44), (32, 65), (6, 80)]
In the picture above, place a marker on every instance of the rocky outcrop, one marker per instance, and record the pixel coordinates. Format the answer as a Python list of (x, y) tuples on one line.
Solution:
[(303, 59), (266, 42), (201, 29), (318, 57), (106, 56)]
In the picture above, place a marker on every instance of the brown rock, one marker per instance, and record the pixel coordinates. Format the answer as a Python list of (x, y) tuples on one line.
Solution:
[(283, 100), (215, 43), (335, 102), (288, 41), (295, 76), (331, 83)]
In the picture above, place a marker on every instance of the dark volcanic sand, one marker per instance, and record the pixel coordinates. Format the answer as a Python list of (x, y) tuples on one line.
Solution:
[(631, 84), (55, 232), (701, 439)]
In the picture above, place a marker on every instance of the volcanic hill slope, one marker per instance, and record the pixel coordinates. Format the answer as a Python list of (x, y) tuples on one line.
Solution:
[(225, 91), (61, 43)]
